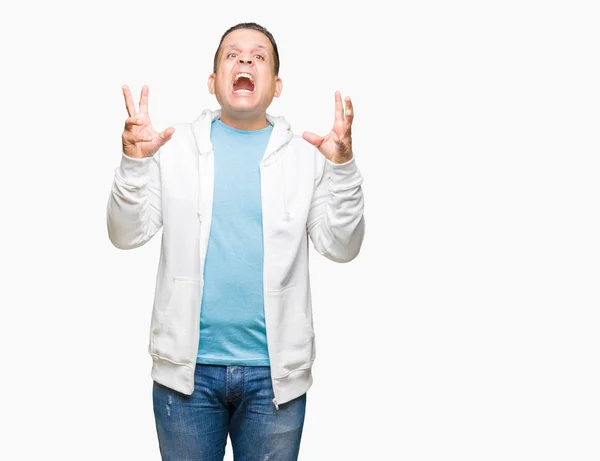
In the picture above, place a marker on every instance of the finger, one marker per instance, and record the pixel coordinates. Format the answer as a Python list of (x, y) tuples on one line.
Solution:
[(144, 100), (133, 138), (312, 138), (339, 137), (166, 135), (349, 111), (339, 110), (133, 121), (129, 101)]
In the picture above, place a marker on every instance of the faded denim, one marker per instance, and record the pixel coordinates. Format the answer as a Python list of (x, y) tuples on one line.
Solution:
[(234, 400)]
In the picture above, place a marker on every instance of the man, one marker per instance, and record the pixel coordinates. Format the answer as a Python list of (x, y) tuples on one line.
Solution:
[(237, 195)]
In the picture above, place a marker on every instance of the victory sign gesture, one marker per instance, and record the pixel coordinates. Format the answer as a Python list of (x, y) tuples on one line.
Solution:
[(139, 138), (337, 145)]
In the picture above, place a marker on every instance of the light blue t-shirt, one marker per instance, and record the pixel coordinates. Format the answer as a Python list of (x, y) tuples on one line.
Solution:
[(232, 318)]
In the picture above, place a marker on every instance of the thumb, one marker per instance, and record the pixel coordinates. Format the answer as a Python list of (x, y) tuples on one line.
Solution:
[(312, 138), (166, 135)]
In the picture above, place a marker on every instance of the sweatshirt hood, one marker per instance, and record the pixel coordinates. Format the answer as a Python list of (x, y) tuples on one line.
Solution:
[(280, 136)]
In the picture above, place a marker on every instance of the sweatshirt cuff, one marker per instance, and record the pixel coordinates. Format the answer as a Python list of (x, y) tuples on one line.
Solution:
[(344, 175), (134, 171)]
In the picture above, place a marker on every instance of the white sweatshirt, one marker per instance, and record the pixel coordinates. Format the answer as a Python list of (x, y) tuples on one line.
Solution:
[(303, 194)]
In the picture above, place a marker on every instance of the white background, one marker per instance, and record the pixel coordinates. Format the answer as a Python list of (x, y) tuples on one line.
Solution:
[(467, 328)]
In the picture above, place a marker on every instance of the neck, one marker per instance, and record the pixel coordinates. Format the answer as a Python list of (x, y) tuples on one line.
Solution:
[(253, 123)]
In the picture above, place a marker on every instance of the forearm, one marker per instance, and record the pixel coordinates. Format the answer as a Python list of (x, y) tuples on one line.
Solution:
[(133, 212), (336, 224)]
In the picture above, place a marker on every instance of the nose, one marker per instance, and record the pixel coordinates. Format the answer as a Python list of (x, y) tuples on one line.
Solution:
[(246, 60)]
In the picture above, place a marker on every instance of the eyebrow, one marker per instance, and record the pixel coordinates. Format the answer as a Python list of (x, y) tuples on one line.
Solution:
[(235, 45)]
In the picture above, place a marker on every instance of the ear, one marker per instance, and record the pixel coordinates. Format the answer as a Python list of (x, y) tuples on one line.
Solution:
[(278, 87), (211, 83)]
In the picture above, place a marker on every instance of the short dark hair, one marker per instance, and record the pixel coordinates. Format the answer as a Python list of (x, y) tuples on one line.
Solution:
[(253, 26)]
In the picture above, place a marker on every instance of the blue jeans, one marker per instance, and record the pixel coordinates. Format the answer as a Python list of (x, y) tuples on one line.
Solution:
[(227, 399)]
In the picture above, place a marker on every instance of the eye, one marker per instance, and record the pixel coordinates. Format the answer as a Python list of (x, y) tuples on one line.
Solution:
[(258, 56), (230, 54)]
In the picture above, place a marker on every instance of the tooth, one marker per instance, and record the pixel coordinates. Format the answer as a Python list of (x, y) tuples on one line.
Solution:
[(243, 74)]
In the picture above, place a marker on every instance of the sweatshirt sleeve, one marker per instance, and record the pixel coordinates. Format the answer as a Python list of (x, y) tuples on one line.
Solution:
[(336, 224), (133, 212)]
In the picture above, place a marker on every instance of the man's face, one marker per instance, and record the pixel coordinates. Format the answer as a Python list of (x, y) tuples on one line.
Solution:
[(245, 81)]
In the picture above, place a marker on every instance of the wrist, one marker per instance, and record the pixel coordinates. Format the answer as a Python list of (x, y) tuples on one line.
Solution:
[(339, 160)]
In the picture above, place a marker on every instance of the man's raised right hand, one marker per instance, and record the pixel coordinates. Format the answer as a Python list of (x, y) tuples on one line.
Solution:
[(139, 138)]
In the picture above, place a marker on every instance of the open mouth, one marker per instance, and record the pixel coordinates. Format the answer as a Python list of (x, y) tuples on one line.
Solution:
[(243, 83)]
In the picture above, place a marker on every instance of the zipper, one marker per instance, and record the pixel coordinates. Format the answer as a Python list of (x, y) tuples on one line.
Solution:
[(203, 247), (264, 165)]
